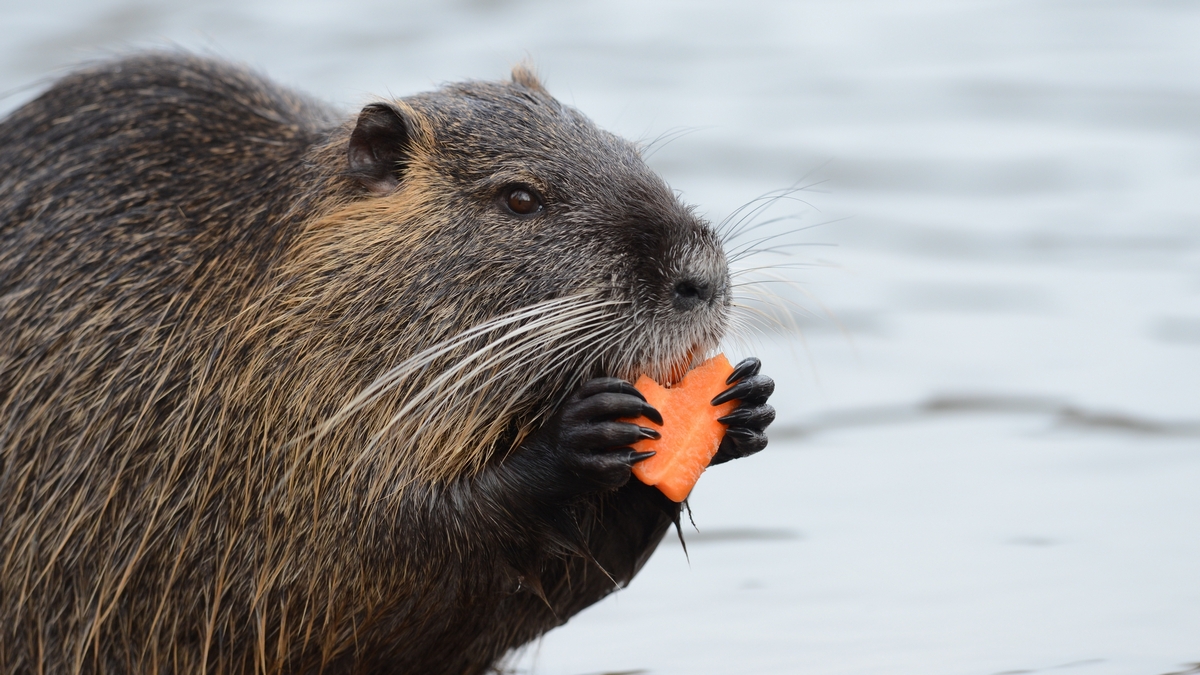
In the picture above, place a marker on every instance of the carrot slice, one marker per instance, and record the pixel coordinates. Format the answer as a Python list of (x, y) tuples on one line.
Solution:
[(690, 431)]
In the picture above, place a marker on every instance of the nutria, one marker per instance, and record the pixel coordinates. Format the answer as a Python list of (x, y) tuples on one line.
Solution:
[(281, 392)]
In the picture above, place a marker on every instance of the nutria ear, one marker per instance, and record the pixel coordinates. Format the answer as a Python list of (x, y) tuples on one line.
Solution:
[(378, 148), (524, 75)]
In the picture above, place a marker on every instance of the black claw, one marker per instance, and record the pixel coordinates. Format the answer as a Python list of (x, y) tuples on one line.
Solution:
[(651, 414), (635, 457), (627, 388), (606, 406), (746, 368), (742, 434), (608, 385), (647, 432), (738, 443), (756, 418), (734, 392), (754, 390), (738, 417)]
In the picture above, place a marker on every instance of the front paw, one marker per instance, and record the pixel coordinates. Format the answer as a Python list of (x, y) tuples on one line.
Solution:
[(584, 448), (747, 423)]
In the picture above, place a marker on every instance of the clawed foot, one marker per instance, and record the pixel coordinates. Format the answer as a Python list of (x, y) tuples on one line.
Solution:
[(748, 422), (585, 448)]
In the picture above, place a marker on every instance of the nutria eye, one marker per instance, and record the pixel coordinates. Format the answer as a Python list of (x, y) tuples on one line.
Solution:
[(522, 201)]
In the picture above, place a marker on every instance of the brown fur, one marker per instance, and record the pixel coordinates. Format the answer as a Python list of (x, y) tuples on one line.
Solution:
[(197, 296)]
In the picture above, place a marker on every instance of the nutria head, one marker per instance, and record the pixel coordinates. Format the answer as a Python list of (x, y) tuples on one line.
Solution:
[(496, 250)]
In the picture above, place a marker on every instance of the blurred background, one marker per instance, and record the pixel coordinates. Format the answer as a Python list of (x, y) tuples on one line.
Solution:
[(977, 269)]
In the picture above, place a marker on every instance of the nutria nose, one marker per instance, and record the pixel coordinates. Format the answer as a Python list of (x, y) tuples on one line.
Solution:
[(692, 292)]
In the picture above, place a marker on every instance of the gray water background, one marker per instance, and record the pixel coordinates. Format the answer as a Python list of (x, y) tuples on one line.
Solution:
[(987, 339)]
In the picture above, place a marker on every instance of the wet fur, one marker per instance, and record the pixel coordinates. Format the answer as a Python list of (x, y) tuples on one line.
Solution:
[(208, 323)]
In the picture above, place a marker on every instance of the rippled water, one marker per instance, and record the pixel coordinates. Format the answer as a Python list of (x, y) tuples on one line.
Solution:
[(988, 452)]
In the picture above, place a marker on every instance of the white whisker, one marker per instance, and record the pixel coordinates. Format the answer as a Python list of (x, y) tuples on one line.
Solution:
[(461, 400), (387, 380), (575, 318)]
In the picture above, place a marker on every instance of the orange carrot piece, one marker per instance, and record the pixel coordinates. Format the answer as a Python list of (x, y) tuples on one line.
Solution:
[(690, 431)]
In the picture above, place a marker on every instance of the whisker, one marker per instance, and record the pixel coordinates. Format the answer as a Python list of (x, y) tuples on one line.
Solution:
[(779, 248), (384, 382), (666, 138), (765, 197), (764, 223), (570, 306), (421, 396), (498, 416), (792, 231), (548, 356), (746, 213), (739, 253), (789, 265), (770, 319), (512, 355)]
